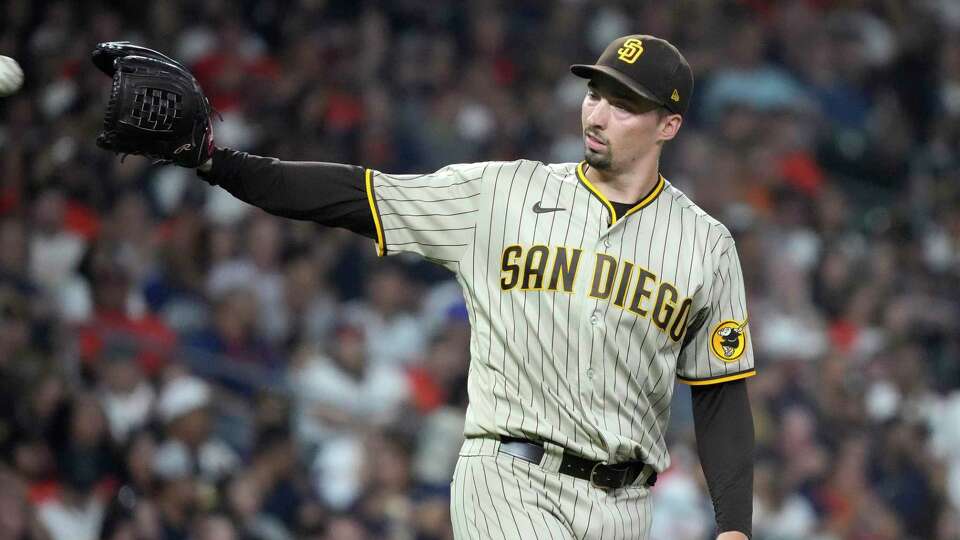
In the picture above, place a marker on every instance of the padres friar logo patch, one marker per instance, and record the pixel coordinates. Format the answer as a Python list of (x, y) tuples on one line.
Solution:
[(630, 51), (729, 340)]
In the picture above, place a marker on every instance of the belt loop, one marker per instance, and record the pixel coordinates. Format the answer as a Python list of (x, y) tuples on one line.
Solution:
[(479, 446), (552, 457), (644, 476)]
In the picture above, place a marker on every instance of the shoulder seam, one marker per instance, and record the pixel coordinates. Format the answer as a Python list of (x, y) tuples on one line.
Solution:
[(698, 212)]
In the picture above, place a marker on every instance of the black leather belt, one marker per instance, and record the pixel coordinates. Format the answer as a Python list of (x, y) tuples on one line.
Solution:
[(599, 474)]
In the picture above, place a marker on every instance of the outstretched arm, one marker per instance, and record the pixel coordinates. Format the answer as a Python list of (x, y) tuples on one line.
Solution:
[(432, 214), (328, 193), (725, 440)]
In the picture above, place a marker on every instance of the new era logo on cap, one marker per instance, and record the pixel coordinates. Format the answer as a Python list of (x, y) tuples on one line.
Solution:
[(649, 66)]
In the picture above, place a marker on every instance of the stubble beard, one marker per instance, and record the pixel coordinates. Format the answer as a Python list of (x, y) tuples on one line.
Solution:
[(597, 160)]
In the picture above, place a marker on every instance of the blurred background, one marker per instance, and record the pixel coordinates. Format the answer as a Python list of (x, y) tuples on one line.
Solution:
[(176, 364)]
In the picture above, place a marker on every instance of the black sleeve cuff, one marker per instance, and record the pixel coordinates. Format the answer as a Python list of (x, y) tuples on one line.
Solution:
[(223, 162)]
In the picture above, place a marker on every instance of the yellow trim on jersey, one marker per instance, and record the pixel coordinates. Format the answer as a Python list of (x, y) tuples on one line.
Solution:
[(702, 382), (661, 183), (381, 242), (596, 192)]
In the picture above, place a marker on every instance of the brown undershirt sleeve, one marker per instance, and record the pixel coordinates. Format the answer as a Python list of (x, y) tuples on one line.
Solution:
[(328, 193)]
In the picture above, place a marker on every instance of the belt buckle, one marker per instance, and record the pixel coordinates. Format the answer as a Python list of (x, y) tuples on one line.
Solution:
[(621, 480), (593, 472), (622, 477)]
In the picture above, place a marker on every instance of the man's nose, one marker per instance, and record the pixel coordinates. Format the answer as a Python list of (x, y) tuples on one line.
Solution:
[(599, 115)]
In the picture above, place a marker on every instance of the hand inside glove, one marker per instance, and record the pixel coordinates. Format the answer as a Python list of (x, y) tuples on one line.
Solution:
[(156, 109)]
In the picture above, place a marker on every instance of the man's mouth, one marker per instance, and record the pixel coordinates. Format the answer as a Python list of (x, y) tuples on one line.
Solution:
[(593, 142)]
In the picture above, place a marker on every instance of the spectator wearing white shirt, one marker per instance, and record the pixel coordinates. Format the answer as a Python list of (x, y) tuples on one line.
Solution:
[(126, 396), (780, 513), (75, 510), (336, 398), (259, 269), (183, 407), (395, 334)]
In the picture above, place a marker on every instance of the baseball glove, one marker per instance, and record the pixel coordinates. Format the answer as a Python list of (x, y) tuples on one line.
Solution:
[(156, 109)]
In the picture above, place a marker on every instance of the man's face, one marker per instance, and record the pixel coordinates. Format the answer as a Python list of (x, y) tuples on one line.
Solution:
[(619, 127), (193, 428), (351, 350)]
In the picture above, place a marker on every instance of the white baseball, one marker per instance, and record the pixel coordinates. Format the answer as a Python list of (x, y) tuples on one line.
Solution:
[(11, 76)]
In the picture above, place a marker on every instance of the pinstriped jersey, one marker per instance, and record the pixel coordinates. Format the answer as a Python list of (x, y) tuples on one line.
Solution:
[(581, 319)]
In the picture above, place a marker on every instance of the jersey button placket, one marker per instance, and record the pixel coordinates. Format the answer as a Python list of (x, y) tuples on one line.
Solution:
[(591, 320), (596, 321)]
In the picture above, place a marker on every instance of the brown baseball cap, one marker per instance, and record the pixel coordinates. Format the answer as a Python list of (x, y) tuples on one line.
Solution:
[(649, 66)]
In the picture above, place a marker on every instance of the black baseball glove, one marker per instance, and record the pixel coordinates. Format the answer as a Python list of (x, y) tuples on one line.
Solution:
[(156, 109)]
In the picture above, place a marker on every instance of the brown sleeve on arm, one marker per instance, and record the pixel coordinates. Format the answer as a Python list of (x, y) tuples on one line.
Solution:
[(725, 442), (328, 193)]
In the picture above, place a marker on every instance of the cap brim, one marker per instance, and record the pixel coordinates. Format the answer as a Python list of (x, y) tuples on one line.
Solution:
[(587, 71)]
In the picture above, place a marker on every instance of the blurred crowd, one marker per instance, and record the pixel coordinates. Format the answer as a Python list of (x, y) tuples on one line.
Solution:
[(176, 364)]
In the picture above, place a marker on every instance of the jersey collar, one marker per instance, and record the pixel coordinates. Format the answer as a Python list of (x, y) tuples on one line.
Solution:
[(647, 199)]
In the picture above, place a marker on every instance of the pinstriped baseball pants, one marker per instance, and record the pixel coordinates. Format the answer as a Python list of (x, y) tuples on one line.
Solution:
[(497, 496)]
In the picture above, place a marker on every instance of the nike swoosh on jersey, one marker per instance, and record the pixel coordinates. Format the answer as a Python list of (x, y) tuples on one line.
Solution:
[(541, 210)]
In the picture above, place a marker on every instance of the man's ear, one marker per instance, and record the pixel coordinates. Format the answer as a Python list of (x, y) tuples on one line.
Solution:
[(669, 126)]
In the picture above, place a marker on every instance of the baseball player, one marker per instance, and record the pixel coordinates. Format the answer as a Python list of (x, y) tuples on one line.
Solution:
[(591, 287)]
